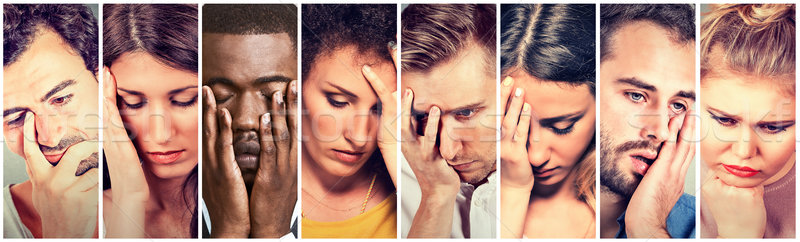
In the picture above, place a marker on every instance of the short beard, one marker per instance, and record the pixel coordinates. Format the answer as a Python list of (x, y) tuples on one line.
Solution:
[(611, 176)]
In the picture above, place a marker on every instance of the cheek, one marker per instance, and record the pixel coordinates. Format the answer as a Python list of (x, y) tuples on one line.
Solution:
[(776, 154), (321, 122), (14, 140), (185, 123)]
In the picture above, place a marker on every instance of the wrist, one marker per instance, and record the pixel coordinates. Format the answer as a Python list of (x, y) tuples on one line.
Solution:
[(230, 233)]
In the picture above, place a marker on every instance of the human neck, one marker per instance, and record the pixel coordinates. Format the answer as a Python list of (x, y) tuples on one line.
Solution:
[(612, 206), (165, 193), (316, 179)]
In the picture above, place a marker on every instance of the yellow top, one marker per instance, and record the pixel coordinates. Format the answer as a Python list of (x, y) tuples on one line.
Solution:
[(378, 222)]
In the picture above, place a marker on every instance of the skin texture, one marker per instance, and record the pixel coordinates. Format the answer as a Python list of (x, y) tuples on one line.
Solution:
[(447, 129), (755, 129), (652, 118), (336, 120), (249, 125), (158, 106), (54, 202), (528, 143)]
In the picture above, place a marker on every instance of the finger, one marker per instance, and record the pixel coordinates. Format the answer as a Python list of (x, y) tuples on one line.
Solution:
[(685, 141), (384, 93), (667, 152), (34, 159), (406, 128), (209, 128), (524, 125), (86, 182), (226, 159), (291, 101), (431, 129), (267, 156), (511, 117), (280, 131), (109, 86), (505, 92)]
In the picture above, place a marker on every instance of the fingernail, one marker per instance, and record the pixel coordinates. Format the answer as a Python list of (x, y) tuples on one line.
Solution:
[(294, 87), (367, 68), (392, 45), (518, 92), (279, 97), (435, 110), (408, 92), (526, 107), (507, 81), (265, 118)]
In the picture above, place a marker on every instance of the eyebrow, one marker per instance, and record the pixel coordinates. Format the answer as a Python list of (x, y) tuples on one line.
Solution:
[(686, 94), (569, 117), (176, 91), (132, 92), (57, 89), (218, 80), (341, 89), (258, 81), (633, 81)]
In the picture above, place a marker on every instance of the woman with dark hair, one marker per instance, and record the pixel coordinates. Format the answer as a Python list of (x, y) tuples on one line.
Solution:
[(548, 129), (150, 108), (349, 154)]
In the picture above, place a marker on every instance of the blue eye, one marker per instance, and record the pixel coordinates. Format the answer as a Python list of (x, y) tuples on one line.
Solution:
[(465, 114), (678, 107), (635, 96)]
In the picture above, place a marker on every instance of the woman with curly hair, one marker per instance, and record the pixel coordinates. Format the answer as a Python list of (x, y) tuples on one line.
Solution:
[(349, 154)]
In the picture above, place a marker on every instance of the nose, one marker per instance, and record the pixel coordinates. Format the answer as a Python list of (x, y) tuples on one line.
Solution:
[(744, 147), (245, 114), (50, 129), (358, 131), (160, 125), (655, 126), (539, 149), (449, 141)]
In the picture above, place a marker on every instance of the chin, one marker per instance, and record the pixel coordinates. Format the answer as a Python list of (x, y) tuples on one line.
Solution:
[(341, 169), (740, 182), (171, 172)]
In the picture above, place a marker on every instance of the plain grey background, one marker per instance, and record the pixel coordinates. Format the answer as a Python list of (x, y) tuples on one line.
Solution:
[(13, 164)]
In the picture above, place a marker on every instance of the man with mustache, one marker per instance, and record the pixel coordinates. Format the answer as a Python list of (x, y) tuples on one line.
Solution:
[(449, 139), (647, 80), (249, 121), (50, 118)]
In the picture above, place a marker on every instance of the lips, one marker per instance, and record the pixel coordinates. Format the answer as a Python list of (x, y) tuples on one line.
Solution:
[(167, 157), (740, 171), (246, 154), (464, 166), (54, 158), (348, 156), (544, 172), (642, 160)]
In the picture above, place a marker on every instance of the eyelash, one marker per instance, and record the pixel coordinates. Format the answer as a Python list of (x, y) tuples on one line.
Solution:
[(185, 104), (141, 104), (769, 129), (336, 104), (461, 115), (563, 131), (631, 94), (61, 101)]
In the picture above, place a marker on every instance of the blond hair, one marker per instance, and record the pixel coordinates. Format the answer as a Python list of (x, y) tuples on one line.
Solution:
[(751, 39)]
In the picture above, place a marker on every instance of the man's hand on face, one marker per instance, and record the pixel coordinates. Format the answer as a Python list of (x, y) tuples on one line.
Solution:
[(274, 191), (224, 191), (738, 212), (67, 204), (662, 184), (436, 178)]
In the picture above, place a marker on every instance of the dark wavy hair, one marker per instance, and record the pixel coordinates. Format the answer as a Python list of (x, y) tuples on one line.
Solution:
[(168, 32), (75, 23), (553, 42), (435, 33), (328, 27), (251, 19), (678, 19)]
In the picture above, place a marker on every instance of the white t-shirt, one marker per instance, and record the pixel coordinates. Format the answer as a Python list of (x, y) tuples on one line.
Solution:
[(12, 224)]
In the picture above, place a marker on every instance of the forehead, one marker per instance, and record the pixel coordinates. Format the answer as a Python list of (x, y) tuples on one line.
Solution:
[(47, 61), (139, 71), (462, 80), (243, 58), (645, 51), (343, 68), (753, 98), (550, 98)]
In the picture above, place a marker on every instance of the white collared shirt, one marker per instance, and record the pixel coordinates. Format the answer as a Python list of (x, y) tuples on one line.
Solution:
[(475, 214)]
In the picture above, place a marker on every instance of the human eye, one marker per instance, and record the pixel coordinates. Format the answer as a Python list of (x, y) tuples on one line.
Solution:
[(562, 131), (465, 114), (774, 128), (17, 120), (724, 121), (62, 100), (635, 97), (186, 103), (678, 107), (336, 101), (135, 105)]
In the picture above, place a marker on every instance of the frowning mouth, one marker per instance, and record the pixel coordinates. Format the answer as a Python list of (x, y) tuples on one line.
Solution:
[(740, 171)]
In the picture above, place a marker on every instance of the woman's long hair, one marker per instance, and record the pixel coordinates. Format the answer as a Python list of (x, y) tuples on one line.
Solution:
[(555, 42), (168, 32), (753, 39)]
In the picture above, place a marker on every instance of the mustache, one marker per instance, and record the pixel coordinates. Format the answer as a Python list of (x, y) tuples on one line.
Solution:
[(637, 145), (63, 144)]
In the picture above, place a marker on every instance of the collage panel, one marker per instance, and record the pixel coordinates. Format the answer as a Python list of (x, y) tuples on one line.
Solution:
[(150, 112), (747, 121), (647, 120), (449, 127), (50, 120), (548, 125), (250, 121), (349, 155)]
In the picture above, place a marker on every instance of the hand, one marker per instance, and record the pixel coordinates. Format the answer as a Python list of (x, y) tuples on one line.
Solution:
[(387, 136), (130, 191), (517, 178), (662, 185), (274, 191), (224, 191), (435, 177), (738, 212), (67, 204)]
